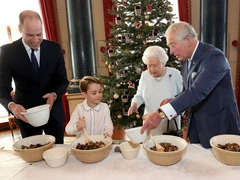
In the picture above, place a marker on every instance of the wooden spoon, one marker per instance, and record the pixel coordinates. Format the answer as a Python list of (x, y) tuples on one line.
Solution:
[(158, 146), (87, 139)]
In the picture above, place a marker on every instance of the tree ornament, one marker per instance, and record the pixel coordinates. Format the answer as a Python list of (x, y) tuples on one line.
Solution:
[(137, 10), (123, 72), (121, 38), (119, 116), (118, 76), (133, 19), (125, 111), (170, 9), (110, 52), (109, 67), (149, 8), (166, 4), (103, 49), (146, 17), (139, 70), (139, 36), (131, 84), (138, 25), (118, 85), (116, 96), (118, 20), (124, 98), (153, 35), (128, 39), (138, 116)]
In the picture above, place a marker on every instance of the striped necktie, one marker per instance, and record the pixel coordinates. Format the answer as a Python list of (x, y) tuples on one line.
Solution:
[(35, 63)]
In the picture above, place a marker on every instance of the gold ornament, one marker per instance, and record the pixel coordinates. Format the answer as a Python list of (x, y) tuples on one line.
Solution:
[(119, 116), (116, 96), (170, 9), (138, 116), (118, 85), (146, 16)]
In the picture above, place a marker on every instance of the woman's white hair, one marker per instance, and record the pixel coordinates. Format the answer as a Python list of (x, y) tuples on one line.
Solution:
[(155, 52)]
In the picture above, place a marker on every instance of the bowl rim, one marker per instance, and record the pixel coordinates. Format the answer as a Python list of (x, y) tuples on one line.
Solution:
[(63, 155), (44, 106), (214, 146), (31, 137), (132, 129), (165, 153), (171, 152), (90, 150), (138, 145)]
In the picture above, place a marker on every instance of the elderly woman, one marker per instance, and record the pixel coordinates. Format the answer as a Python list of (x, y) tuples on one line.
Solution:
[(156, 84)]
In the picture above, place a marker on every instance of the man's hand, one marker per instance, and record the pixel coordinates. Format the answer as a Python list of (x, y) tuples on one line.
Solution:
[(165, 101), (16, 109), (50, 99), (133, 109), (152, 121)]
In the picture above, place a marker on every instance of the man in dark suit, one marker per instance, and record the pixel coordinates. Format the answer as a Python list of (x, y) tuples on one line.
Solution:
[(208, 91), (31, 89)]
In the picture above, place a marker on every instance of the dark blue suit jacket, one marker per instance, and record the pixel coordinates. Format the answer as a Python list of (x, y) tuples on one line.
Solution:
[(15, 63), (209, 93)]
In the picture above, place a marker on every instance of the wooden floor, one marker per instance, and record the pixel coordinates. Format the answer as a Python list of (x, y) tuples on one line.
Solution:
[(7, 138)]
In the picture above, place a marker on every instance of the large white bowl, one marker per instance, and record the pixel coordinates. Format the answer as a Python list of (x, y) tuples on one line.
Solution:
[(224, 156), (56, 157), (129, 150), (165, 158), (37, 116), (36, 154), (95, 155), (135, 136)]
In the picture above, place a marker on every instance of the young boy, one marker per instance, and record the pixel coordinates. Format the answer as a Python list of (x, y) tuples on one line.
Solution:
[(91, 114)]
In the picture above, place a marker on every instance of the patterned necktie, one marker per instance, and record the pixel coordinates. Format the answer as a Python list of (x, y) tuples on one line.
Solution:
[(35, 63), (189, 64)]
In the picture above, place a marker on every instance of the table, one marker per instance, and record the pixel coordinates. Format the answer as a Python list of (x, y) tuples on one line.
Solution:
[(198, 164)]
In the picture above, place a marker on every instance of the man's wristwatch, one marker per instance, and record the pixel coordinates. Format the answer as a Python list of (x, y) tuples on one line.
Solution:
[(162, 115)]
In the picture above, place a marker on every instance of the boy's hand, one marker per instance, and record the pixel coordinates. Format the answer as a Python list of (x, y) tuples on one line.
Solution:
[(81, 124), (107, 135)]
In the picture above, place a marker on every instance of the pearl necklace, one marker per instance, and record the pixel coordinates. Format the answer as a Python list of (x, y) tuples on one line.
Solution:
[(158, 79)]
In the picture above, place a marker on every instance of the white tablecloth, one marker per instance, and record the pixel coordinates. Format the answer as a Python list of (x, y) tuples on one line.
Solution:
[(198, 163)]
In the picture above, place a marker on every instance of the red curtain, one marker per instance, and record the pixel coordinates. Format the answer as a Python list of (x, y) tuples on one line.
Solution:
[(107, 4), (51, 27), (184, 8), (50, 19)]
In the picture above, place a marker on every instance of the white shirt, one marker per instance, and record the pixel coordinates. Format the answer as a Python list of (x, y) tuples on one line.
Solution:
[(29, 51), (98, 120)]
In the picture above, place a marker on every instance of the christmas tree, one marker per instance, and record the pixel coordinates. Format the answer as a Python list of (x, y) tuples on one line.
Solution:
[(138, 24)]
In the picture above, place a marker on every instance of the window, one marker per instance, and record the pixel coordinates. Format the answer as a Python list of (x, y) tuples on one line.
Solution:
[(175, 9), (9, 12)]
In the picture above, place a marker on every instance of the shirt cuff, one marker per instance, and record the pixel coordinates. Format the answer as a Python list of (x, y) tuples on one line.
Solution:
[(76, 128), (169, 111), (55, 95), (9, 105)]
